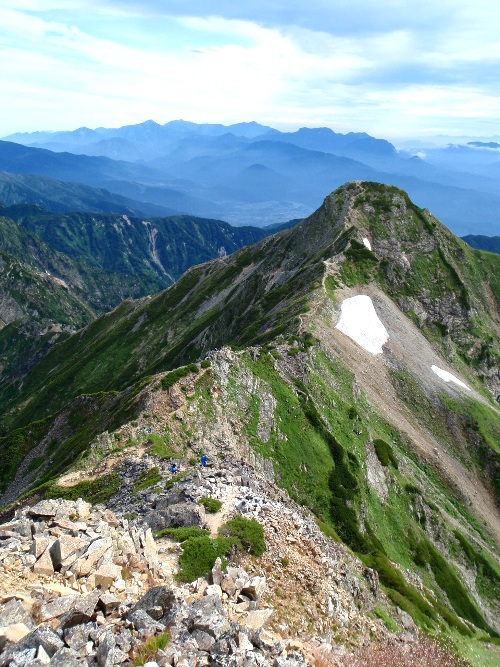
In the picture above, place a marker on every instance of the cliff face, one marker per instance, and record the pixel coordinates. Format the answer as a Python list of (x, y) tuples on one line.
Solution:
[(361, 382)]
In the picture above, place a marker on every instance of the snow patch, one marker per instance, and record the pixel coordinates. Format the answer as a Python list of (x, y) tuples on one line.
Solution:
[(367, 243), (360, 322), (448, 377)]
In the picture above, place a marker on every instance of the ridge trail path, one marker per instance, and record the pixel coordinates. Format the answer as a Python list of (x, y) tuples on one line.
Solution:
[(215, 521)]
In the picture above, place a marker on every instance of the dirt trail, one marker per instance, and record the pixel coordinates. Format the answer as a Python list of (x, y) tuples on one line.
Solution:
[(215, 521), (410, 348)]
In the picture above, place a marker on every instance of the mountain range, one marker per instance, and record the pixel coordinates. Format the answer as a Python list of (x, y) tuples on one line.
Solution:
[(351, 359), (252, 174)]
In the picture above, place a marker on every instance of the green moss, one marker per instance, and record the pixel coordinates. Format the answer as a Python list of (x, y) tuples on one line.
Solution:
[(146, 479), (97, 491)]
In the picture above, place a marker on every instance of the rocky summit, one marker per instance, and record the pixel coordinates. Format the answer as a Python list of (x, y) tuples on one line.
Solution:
[(290, 457)]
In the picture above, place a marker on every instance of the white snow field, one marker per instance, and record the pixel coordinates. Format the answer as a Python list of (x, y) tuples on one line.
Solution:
[(360, 322), (367, 243), (448, 377)]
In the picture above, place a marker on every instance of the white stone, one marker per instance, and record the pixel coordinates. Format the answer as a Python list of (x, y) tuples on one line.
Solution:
[(367, 243)]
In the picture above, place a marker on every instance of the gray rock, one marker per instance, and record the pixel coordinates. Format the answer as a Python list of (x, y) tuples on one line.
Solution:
[(45, 637), (78, 636), (157, 596), (203, 639), (65, 657), (141, 620), (45, 508), (254, 588), (106, 650), (175, 516), (23, 658), (217, 574), (207, 614), (108, 603), (44, 564), (58, 607), (13, 612)]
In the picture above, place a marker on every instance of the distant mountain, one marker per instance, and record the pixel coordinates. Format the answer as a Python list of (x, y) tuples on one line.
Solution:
[(59, 197), (490, 243), (248, 173)]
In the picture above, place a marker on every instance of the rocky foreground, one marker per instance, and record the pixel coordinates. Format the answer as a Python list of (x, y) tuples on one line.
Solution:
[(86, 585)]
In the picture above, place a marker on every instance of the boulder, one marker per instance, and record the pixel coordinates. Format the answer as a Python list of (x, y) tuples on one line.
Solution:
[(175, 516), (106, 650), (254, 588), (13, 613), (157, 596), (45, 509), (207, 614), (141, 620), (44, 564), (65, 657), (64, 548)]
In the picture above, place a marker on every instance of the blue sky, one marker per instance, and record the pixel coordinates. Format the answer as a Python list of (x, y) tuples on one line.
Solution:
[(393, 68)]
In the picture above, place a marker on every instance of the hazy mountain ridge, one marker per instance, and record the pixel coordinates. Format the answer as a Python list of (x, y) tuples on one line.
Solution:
[(219, 171)]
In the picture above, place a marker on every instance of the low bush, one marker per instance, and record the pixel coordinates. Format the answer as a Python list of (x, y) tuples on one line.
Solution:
[(200, 554), (249, 532), (174, 376), (212, 505), (384, 453)]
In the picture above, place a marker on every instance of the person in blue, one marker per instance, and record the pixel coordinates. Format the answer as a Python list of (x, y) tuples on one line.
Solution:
[(173, 468), (203, 461)]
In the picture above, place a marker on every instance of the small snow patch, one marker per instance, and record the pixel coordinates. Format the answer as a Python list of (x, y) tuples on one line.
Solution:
[(448, 377), (359, 321), (367, 243)]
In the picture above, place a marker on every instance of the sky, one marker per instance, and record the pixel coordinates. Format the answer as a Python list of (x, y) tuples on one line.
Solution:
[(392, 68)]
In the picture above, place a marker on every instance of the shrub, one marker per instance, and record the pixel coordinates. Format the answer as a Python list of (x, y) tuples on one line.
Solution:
[(199, 556), (247, 531), (182, 533), (174, 376), (205, 363), (384, 453), (212, 505)]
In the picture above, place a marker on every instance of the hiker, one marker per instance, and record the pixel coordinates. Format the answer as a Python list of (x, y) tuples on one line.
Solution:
[(203, 461), (173, 468)]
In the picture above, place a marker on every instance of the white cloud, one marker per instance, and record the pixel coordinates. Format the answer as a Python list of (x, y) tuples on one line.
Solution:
[(390, 72)]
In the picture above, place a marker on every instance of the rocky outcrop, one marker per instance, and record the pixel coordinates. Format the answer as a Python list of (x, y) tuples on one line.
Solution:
[(83, 585)]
